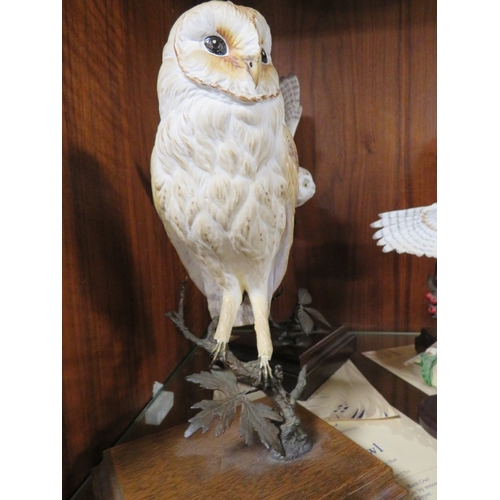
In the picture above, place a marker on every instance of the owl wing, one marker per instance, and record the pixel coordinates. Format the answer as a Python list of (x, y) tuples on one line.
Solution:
[(183, 250), (290, 169), (290, 90), (411, 231)]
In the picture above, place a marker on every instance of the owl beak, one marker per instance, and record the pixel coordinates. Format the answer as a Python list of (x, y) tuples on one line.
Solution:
[(254, 66)]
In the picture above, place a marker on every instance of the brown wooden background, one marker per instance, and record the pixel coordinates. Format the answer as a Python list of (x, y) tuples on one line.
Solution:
[(368, 135)]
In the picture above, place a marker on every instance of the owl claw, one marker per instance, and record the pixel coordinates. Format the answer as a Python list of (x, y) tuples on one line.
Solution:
[(219, 352), (265, 370)]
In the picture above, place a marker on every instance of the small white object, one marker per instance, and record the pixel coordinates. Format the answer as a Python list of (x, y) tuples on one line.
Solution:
[(157, 386), (307, 187), (160, 407)]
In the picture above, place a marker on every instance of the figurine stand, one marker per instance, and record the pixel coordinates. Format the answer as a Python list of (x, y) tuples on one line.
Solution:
[(323, 354), (167, 465)]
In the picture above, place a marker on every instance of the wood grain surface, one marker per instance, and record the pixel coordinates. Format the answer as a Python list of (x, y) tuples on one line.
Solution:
[(168, 465), (367, 71), (399, 393), (368, 135), (120, 273)]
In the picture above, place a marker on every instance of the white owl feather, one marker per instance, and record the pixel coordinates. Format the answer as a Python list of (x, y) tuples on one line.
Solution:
[(290, 90), (224, 167), (411, 231)]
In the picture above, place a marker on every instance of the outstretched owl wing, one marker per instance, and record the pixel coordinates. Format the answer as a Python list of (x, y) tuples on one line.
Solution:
[(411, 231)]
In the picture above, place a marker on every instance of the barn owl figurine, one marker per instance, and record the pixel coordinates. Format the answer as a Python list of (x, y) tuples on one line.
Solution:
[(411, 231), (224, 166)]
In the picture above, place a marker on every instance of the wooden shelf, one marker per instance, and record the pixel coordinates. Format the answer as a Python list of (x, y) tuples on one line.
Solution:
[(167, 465)]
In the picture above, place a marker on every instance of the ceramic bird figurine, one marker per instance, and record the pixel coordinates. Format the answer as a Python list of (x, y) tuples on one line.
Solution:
[(224, 166), (411, 231)]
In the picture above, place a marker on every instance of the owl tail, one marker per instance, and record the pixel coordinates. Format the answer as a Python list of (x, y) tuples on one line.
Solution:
[(244, 316), (245, 313)]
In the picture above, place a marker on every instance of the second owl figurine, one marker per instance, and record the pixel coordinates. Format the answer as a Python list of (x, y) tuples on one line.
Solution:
[(224, 166)]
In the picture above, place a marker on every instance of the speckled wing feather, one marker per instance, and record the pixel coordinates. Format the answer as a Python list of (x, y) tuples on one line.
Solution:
[(290, 172), (411, 231), (290, 89)]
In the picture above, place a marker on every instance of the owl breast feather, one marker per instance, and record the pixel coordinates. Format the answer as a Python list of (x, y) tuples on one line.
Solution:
[(224, 189)]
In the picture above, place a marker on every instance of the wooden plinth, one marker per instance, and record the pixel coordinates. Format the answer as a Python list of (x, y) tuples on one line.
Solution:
[(168, 466)]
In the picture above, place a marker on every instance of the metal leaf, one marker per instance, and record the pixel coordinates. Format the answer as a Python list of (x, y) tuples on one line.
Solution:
[(316, 314), (304, 297), (305, 320), (221, 380), (224, 409), (257, 417)]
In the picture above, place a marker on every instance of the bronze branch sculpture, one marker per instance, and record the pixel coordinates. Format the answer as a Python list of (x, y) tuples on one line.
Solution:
[(287, 440)]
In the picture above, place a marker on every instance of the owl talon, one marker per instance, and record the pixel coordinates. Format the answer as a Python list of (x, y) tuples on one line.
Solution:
[(219, 352), (265, 371)]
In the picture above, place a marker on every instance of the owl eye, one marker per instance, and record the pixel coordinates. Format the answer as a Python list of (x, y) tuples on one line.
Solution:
[(216, 45), (264, 56)]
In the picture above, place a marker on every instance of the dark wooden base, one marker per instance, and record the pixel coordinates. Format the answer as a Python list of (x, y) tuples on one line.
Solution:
[(168, 466), (426, 338), (427, 415), (323, 354)]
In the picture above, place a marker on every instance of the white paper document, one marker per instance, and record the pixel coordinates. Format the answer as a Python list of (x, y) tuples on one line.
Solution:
[(403, 445), (348, 395), (393, 359), (348, 402)]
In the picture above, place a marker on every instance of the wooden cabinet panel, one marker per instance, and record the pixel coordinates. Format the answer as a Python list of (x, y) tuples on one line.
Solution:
[(368, 135), (120, 273)]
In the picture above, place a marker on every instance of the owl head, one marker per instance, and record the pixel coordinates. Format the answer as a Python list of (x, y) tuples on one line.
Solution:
[(307, 187), (226, 47)]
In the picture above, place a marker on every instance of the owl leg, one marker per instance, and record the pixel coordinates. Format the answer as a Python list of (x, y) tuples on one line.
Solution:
[(227, 317), (260, 306)]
